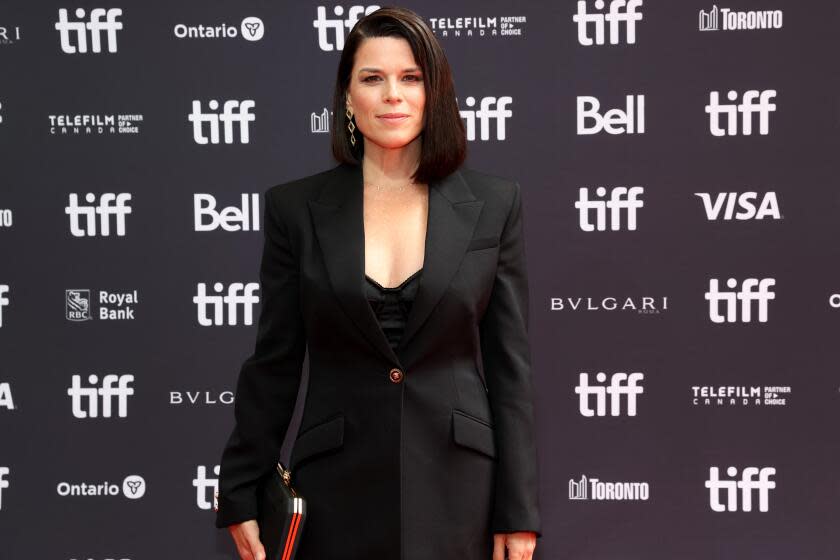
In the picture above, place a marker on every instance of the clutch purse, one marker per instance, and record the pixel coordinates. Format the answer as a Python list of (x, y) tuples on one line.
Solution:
[(282, 512)]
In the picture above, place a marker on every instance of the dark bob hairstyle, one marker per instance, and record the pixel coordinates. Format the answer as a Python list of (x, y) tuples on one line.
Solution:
[(444, 141)]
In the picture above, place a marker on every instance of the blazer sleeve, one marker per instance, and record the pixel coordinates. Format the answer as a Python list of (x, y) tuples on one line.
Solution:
[(506, 359), (268, 380)]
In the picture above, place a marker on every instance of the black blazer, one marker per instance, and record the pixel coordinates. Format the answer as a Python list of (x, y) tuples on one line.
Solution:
[(423, 452)]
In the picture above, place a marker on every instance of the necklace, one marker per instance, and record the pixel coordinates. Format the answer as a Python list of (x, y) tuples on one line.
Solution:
[(379, 188)]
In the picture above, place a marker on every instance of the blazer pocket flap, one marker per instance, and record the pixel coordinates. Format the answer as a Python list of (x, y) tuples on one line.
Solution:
[(482, 243), (318, 439), (472, 432)]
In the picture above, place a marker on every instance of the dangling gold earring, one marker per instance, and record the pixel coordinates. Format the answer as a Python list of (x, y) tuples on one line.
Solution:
[(350, 126)]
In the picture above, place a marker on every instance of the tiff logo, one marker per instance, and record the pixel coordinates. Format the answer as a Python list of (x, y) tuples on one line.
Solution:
[(725, 203), (96, 26), (621, 200), (231, 218), (620, 384), (491, 108), (4, 301), (86, 400), (83, 219), (205, 486), (621, 12), (338, 28), (747, 484), (615, 121), (752, 290), (234, 111), (6, 396), (238, 294), (728, 112), (4, 483)]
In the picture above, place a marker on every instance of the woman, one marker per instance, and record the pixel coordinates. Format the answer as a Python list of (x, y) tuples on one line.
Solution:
[(397, 269)]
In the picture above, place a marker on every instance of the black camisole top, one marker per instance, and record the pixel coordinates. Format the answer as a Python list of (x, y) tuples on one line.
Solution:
[(392, 305)]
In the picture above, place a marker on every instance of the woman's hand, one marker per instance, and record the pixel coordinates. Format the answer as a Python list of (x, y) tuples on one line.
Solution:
[(246, 535), (520, 545)]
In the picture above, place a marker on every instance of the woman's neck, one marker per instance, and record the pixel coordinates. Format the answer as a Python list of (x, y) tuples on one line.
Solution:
[(390, 165)]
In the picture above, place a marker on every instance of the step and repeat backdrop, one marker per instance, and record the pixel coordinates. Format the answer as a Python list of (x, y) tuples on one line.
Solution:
[(679, 163)]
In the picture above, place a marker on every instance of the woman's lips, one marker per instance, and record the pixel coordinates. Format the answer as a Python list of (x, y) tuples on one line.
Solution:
[(393, 118)]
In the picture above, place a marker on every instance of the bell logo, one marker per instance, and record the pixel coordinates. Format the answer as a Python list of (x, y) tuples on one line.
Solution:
[(68, 29), (614, 121), (621, 12), (746, 204), (339, 27), (723, 117), (752, 290), (246, 218), (747, 484)]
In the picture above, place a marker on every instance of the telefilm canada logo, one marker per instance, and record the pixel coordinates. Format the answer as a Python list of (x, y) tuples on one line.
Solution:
[(642, 305), (478, 26), (725, 19), (133, 487), (740, 395), (88, 124), (588, 488), (110, 306), (251, 29)]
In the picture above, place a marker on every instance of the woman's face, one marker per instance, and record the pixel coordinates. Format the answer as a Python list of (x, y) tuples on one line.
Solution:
[(386, 93)]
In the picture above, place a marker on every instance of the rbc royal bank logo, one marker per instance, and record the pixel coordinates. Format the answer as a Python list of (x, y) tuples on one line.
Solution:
[(74, 34)]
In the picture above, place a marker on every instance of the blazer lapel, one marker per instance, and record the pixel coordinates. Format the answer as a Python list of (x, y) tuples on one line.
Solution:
[(338, 220)]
